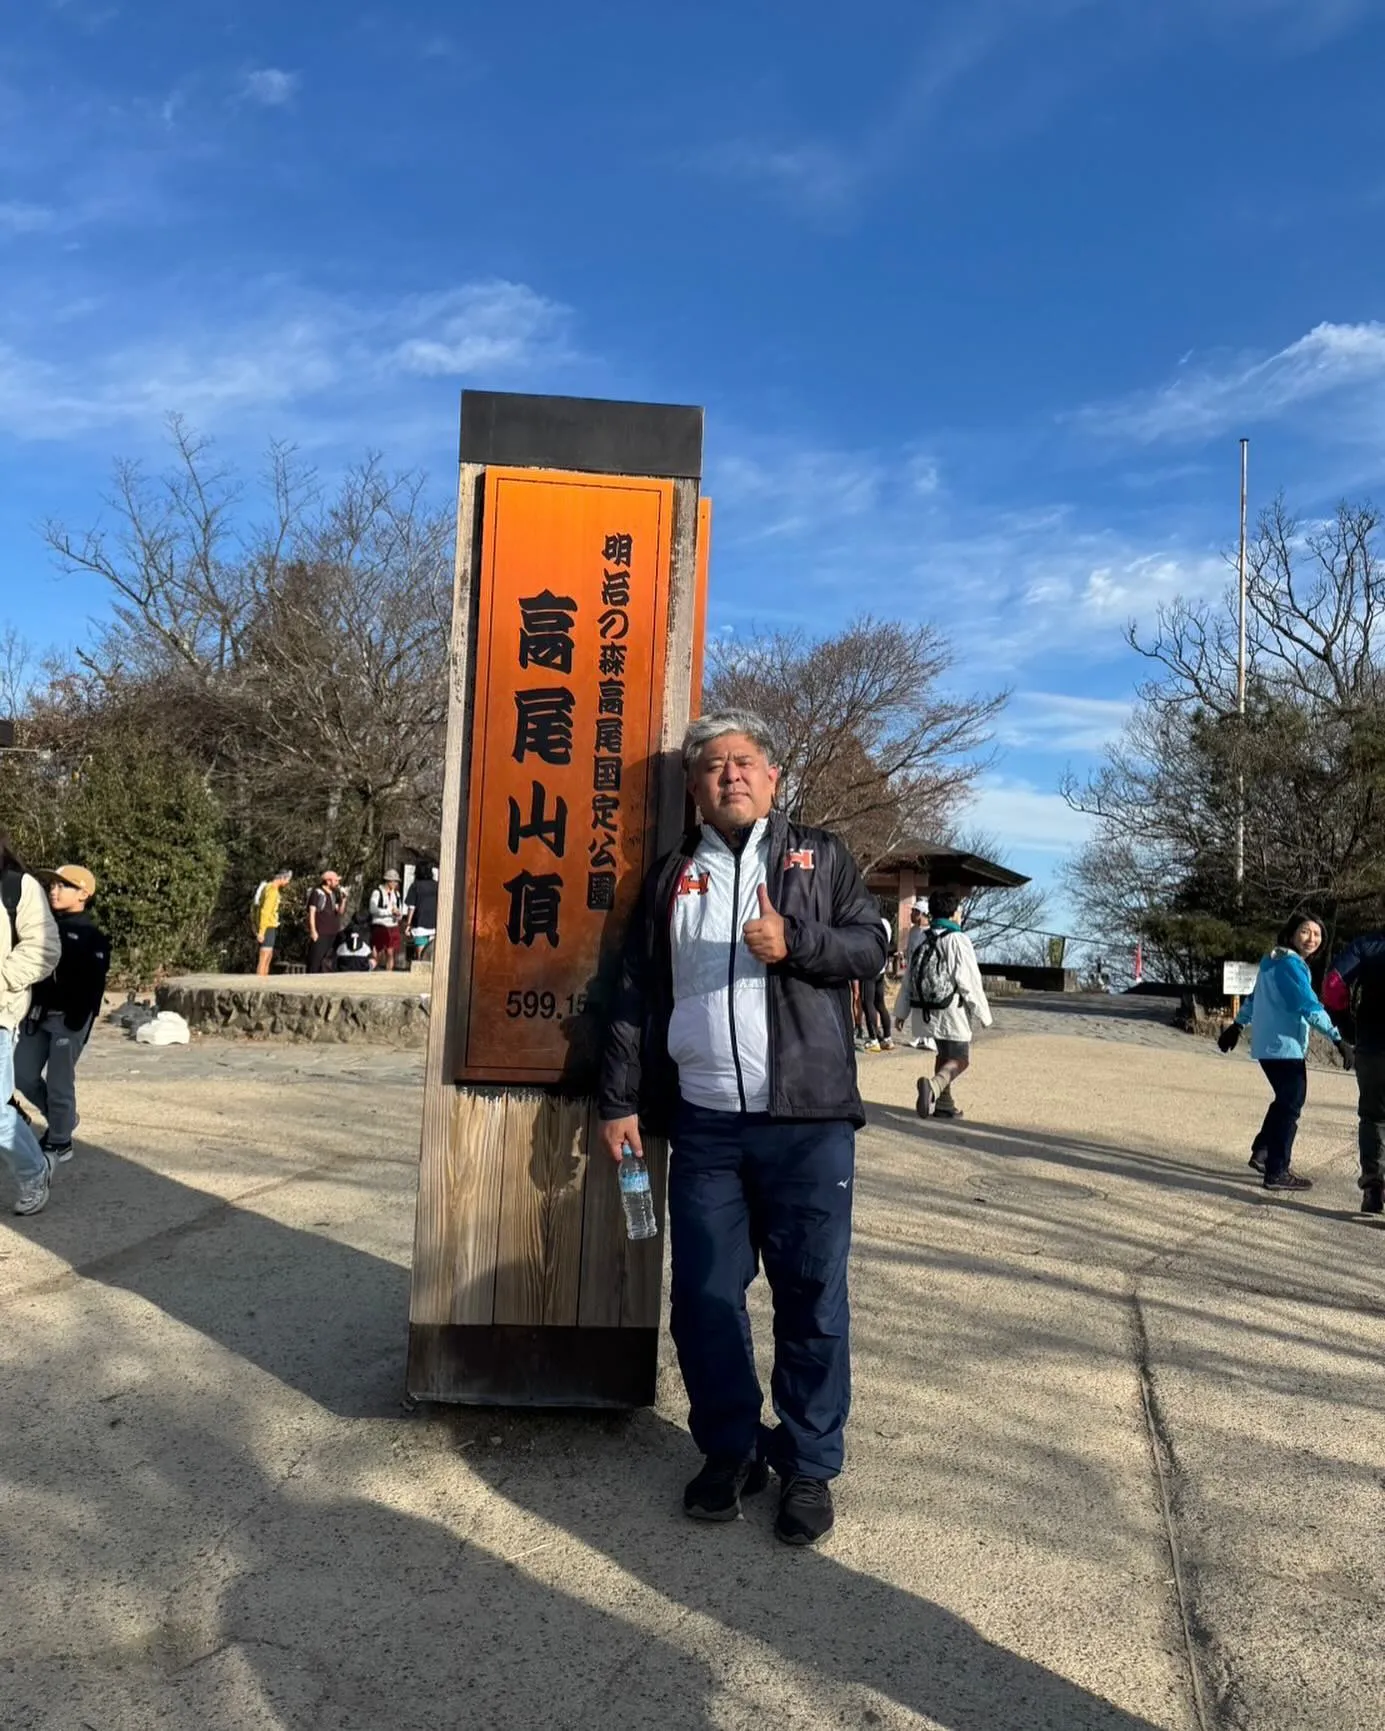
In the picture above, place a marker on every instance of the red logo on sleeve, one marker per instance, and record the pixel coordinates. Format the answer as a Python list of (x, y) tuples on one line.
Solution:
[(802, 857)]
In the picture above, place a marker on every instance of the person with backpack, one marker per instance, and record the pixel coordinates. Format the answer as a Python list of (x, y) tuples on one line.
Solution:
[(325, 915), (29, 951), (1279, 1013), (1354, 993), (944, 985), (64, 1008), (386, 920)]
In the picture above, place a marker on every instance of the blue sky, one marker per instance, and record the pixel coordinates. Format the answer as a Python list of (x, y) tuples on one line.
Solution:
[(979, 296)]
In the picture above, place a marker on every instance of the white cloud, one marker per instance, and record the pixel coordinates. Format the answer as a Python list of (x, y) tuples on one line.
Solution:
[(482, 325), (776, 491), (924, 475), (1201, 402), (269, 86), (293, 348), (1057, 721), (17, 217), (825, 533), (810, 173), (1023, 816)]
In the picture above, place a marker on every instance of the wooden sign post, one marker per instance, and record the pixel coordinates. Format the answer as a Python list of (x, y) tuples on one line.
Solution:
[(575, 667)]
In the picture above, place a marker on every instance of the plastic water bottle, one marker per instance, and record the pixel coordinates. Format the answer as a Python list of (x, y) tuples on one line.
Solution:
[(636, 1196)]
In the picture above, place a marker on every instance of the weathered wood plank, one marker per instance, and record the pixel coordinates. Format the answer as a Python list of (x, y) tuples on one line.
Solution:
[(433, 1285), (568, 1153), (472, 1216), (703, 577), (604, 1242), (521, 1246)]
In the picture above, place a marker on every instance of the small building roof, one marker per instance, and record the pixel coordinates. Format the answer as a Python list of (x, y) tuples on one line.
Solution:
[(939, 864)]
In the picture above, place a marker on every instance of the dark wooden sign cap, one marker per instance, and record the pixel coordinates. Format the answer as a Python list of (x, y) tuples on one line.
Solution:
[(587, 434)]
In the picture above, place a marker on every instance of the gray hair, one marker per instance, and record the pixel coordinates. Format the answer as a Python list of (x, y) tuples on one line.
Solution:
[(706, 728)]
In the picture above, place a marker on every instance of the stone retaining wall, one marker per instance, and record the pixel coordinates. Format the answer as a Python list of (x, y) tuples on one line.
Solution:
[(395, 1020)]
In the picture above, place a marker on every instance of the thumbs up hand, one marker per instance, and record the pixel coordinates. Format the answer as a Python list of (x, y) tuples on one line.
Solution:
[(765, 937)]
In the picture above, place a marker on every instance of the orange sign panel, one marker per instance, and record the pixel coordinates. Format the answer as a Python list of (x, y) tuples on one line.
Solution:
[(571, 638)]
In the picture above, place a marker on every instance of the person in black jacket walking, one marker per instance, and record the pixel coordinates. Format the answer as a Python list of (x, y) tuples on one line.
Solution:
[(1354, 991), (731, 1032), (64, 1007)]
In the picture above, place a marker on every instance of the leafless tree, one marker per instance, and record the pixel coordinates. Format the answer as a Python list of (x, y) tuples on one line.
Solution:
[(1005, 924), (873, 745), (1305, 766), (296, 635)]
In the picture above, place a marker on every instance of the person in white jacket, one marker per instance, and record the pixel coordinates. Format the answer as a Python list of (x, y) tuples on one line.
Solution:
[(945, 967), (29, 952)]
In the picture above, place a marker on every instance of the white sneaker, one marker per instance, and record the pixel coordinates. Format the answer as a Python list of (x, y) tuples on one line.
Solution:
[(33, 1196), (871, 1046)]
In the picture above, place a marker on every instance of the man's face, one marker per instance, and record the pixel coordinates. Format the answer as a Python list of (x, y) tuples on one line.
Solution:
[(733, 782), (65, 898)]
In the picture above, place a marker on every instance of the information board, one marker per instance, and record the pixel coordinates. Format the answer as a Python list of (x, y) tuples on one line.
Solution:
[(571, 635), (1238, 978)]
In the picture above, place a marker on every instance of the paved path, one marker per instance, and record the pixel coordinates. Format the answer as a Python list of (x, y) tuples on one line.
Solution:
[(1115, 1462)]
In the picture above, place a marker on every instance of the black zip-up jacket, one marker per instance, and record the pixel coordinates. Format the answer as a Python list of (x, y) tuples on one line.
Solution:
[(74, 989), (834, 935)]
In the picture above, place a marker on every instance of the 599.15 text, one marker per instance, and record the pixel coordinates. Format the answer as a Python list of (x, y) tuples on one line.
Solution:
[(544, 1006)]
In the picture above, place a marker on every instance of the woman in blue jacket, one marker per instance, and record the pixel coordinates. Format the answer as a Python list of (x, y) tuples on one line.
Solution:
[(1279, 1013)]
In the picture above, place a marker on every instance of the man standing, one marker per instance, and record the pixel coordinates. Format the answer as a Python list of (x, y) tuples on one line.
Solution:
[(326, 917), (63, 1010), (386, 918), (29, 951), (264, 917), (945, 985), (731, 1032), (1359, 974)]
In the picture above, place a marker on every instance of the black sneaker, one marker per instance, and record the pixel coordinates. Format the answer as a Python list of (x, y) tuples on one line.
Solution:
[(927, 1100), (805, 1510), (1287, 1180), (945, 1108), (1257, 1160), (1373, 1196), (715, 1494), (59, 1150)]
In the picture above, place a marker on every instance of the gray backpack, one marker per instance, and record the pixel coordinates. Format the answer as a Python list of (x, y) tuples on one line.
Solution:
[(931, 985)]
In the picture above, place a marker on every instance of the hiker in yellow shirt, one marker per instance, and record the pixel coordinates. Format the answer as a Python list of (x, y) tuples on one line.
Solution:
[(264, 917)]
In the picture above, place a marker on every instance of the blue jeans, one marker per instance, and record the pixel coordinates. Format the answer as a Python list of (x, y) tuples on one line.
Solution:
[(746, 1188), (1289, 1079), (19, 1147)]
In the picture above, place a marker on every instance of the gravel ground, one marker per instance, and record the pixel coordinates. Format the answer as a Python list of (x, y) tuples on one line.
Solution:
[(1115, 1457)]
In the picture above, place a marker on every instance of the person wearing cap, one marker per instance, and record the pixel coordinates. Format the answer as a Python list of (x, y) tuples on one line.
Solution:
[(904, 1011), (326, 917), (386, 918), (264, 917), (29, 950), (65, 1005)]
